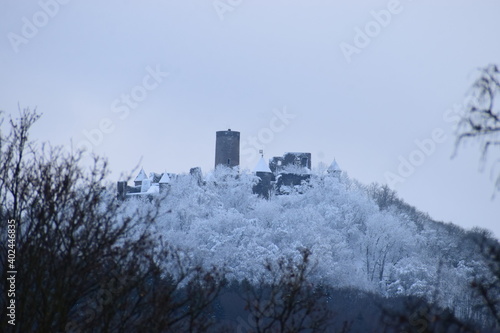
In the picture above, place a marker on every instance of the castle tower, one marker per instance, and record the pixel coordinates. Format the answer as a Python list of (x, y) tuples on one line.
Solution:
[(264, 186), (164, 183), (227, 148), (334, 169), (140, 177)]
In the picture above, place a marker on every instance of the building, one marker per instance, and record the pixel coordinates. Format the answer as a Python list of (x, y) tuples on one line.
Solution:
[(145, 186), (264, 187), (281, 175), (291, 171), (334, 169), (227, 148), (297, 162)]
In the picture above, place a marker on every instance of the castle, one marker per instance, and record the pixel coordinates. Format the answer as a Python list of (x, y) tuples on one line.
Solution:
[(279, 176)]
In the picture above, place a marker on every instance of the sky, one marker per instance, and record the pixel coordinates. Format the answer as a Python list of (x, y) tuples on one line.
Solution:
[(377, 85)]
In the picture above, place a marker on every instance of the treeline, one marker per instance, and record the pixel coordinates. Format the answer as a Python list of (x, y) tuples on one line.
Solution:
[(86, 263)]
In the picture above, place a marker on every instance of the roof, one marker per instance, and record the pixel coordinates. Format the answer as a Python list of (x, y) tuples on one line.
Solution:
[(141, 176), (262, 166), (154, 188), (165, 179), (334, 167)]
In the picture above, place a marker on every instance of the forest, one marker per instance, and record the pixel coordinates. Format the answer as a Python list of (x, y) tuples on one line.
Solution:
[(332, 255)]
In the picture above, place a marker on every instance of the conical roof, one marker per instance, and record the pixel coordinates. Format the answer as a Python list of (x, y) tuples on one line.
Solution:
[(165, 179), (334, 167), (262, 166), (141, 176)]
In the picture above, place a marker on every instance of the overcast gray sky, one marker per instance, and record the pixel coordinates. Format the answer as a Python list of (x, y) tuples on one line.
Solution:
[(374, 84)]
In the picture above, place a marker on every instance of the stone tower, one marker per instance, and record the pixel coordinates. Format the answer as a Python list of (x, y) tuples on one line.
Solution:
[(227, 148)]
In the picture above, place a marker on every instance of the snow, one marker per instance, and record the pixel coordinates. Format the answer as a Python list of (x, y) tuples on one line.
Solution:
[(165, 179), (296, 169), (141, 176), (155, 188), (146, 184), (262, 166), (334, 167), (354, 242)]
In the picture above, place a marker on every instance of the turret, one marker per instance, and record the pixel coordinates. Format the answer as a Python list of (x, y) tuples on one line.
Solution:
[(334, 169), (140, 177), (264, 186), (164, 183)]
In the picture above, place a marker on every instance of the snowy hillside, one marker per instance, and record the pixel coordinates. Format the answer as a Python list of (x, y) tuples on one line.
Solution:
[(360, 236)]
